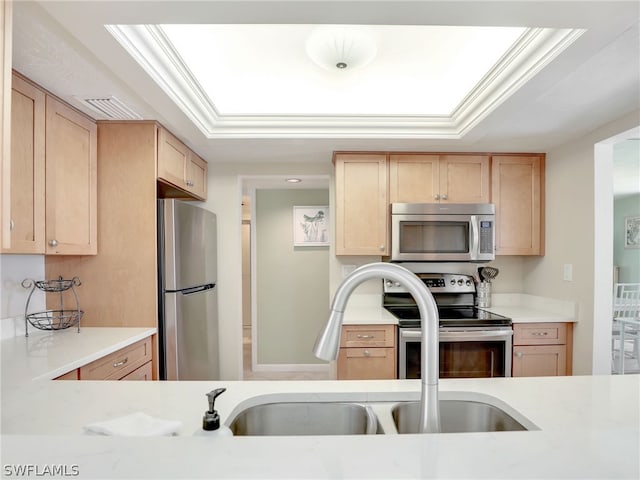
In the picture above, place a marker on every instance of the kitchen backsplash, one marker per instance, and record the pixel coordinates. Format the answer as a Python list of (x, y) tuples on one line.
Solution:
[(13, 270)]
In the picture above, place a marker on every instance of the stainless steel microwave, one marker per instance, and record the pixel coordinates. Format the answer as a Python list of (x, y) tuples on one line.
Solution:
[(442, 232)]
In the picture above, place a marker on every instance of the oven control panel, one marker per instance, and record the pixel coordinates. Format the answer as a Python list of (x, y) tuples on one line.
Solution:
[(437, 283)]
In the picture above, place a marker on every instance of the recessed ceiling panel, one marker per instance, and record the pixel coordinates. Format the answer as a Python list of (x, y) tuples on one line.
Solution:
[(348, 81)]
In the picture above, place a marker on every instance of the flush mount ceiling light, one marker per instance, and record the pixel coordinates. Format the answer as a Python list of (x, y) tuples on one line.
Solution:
[(340, 47), (293, 180)]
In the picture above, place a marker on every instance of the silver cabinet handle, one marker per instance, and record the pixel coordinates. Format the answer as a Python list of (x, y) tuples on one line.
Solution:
[(119, 364), (444, 196), (437, 196), (519, 354), (189, 183), (381, 247), (367, 353), (53, 243), (364, 336), (539, 334), (12, 225)]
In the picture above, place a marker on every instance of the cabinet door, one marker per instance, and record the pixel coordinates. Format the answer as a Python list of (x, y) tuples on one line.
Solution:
[(517, 190), (27, 166), (464, 178), (414, 178), (197, 176), (539, 360), (173, 159), (366, 363), (362, 211), (71, 181)]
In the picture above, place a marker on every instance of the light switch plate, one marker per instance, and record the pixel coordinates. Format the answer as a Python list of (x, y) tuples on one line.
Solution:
[(567, 272), (347, 270)]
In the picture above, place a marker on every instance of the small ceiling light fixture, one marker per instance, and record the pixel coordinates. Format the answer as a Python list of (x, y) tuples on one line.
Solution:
[(341, 47), (293, 180)]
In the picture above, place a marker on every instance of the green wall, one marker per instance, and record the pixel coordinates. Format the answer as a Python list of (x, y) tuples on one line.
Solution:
[(292, 282), (628, 259)]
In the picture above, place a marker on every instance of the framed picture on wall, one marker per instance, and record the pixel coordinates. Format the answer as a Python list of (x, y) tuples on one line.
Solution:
[(311, 226), (632, 232)]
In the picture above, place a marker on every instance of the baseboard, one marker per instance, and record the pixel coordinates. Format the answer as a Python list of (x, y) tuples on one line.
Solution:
[(293, 367)]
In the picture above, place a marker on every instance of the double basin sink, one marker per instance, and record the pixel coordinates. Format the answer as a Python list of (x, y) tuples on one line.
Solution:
[(294, 417)]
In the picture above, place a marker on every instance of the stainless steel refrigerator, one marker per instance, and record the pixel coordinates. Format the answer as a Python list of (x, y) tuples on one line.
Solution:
[(187, 291)]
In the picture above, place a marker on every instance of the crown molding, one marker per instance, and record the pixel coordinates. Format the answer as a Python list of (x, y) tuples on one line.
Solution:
[(151, 48)]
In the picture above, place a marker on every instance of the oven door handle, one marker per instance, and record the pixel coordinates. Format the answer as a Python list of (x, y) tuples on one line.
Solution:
[(448, 336)]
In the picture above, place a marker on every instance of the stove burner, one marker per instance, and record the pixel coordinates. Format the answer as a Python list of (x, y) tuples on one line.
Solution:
[(455, 316)]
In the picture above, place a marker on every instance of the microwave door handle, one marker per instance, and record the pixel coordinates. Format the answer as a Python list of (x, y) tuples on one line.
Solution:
[(475, 236)]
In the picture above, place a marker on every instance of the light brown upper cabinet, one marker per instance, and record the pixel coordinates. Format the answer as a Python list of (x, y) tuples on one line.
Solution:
[(181, 167), (517, 189), (27, 169), (53, 206), (71, 181), (439, 178), (362, 205)]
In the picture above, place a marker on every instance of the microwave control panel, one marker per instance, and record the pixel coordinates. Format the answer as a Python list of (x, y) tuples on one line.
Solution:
[(486, 236)]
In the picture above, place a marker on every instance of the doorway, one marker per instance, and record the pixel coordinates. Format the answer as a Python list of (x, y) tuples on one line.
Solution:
[(284, 286), (603, 252)]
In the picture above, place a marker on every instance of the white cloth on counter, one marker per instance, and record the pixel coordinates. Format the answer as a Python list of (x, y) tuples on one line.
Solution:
[(135, 425)]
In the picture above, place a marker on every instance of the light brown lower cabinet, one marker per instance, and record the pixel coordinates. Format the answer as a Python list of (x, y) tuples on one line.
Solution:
[(133, 362), (542, 349), (367, 352)]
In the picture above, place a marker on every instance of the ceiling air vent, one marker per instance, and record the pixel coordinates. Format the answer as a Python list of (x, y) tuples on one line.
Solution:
[(110, 107)]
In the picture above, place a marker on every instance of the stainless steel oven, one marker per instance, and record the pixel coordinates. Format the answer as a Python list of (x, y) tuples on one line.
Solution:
[(465, 352), (473, 342)]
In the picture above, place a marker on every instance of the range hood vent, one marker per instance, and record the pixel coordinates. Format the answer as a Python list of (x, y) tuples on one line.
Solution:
[(109, 108)]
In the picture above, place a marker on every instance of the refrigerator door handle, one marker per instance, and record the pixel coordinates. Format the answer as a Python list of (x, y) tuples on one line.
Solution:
[(191, 290)]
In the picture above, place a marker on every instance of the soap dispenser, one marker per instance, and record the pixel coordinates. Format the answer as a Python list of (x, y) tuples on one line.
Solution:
[(211, 419)]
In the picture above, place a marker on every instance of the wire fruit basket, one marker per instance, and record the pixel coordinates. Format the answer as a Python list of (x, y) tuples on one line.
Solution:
[(58, 318)]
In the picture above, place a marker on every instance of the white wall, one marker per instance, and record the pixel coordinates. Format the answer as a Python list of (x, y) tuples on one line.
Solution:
[(579, 207), (13, 270)]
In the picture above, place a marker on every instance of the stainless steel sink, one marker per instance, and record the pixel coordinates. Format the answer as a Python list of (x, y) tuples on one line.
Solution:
[(305, 418), (457, 416)]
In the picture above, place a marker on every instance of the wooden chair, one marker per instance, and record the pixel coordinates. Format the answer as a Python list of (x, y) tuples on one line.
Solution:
[(626, 326)]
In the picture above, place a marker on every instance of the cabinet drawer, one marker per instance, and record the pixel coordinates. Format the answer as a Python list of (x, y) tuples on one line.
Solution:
[(539, 334), (143, 373), (368, 336), (118, 364), (72, 375), (366, 363)]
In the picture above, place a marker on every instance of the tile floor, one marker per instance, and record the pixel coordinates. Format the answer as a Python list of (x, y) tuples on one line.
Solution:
[(251, 375)]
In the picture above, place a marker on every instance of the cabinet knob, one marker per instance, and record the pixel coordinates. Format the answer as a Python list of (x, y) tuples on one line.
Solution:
[(381, 247), (445, 196), (189, 183), (436, 196), (53, 243), (519, 354), (367, 353), (12, 225)]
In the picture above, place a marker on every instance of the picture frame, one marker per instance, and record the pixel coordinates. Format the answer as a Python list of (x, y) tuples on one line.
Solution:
[(632, 231), (311, 226)]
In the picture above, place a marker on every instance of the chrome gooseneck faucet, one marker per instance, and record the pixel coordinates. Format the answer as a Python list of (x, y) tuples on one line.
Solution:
[(326, 347)]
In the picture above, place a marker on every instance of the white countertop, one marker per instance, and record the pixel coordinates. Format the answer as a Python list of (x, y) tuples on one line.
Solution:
[(47, 355), (520, 308), (589, 427), (579, 426)]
